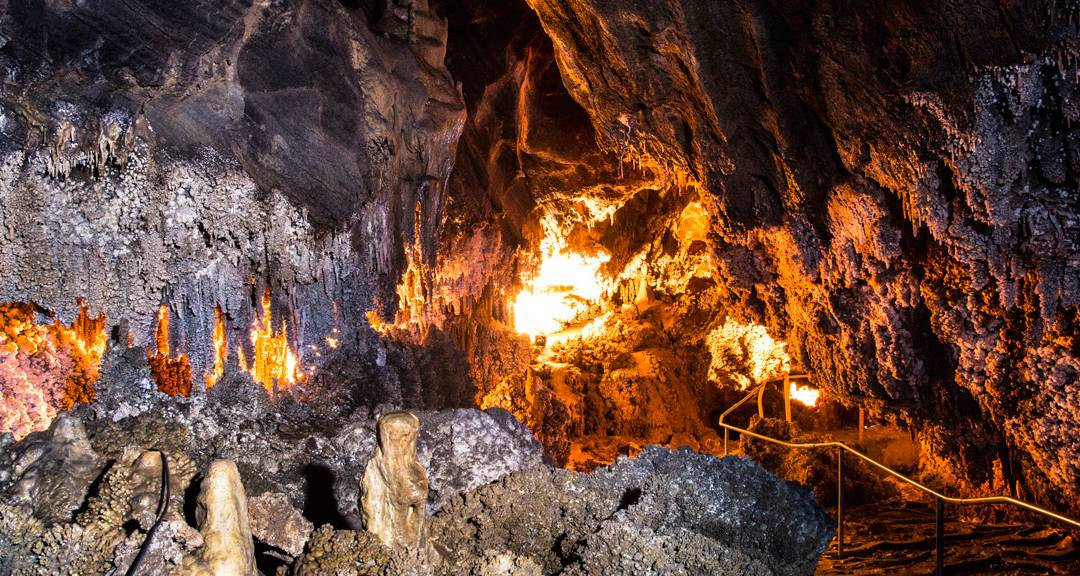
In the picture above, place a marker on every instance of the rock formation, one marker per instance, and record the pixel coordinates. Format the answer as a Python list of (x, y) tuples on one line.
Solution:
[(890, 190), (276, 522), (222, 514), (394, 488), (665, 512)]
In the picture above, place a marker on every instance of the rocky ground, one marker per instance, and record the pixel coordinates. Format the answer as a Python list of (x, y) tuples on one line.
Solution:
[(81, 496)]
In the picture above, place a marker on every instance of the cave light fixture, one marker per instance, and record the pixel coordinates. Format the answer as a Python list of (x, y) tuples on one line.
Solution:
[(805, 395), (564, 287)]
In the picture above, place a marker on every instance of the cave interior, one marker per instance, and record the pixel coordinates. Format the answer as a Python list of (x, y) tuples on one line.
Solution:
[(561, 233)]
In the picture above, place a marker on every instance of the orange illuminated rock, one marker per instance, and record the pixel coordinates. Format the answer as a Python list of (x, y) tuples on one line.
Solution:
[(45, 367), (221, 349), (273, 361), (171, 374)]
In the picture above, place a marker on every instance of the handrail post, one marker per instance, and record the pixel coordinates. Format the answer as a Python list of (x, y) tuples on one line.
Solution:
[(862, 423), (761, 402), (939, 535), (725, 440), (839, 502)]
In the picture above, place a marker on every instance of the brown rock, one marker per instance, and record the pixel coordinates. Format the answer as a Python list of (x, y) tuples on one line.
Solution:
[(275, 521)]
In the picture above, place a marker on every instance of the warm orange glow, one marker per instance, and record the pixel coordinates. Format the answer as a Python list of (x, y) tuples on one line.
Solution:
[(332, 342), (161, 337), (564, 287), (45, 367), (221, 349), (805, 395), (694, 224), (171, 374), (87, 335), (745, 354), (273, 361)]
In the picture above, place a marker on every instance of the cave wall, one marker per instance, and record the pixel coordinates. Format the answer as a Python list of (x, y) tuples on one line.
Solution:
[(195, 154), (893, 192)]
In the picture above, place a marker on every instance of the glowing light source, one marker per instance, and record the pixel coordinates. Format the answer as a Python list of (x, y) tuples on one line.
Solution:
[(221, 349), (565, 286), (806, 395), (273, 360)]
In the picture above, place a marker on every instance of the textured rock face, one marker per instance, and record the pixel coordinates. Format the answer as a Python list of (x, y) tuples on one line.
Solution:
[(51, 472), (286, 146), (890, 190), (86, 499), (662, 513), (665, 512), (465, 449), (276, 522)]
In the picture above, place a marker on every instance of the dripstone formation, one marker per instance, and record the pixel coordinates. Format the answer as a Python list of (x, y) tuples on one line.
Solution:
[(222, 515), (394, 488), (887, 191)]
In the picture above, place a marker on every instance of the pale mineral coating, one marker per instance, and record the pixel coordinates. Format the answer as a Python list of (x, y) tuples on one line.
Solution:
[(288, 147), (222, 515)]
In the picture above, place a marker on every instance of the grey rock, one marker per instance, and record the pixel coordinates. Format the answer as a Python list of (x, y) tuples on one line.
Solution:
[(467, 448), (665, 512), (51, 472)]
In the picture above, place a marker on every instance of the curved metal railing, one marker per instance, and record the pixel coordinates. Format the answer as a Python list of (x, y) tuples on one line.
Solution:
[(940, 498)]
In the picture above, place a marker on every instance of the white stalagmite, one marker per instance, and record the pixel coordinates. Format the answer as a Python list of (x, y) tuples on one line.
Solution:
[(394, 489), (222, 513)]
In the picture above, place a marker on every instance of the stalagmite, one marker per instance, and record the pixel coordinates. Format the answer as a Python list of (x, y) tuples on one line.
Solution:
[(223, 520), (394, 488)]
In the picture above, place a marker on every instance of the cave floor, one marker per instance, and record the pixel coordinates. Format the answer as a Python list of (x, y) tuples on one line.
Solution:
[(899, 539), (896, 535)]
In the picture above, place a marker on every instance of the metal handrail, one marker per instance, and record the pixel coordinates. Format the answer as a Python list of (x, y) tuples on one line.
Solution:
[(841, 447)]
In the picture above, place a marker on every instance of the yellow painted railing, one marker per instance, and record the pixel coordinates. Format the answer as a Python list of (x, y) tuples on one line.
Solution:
[(940, 499)]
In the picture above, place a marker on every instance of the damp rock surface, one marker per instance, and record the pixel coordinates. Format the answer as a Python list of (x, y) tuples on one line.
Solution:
[(51, 472)]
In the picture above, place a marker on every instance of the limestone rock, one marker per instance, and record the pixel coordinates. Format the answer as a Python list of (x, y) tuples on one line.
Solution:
[(276, 522), (467, 448), (665, 512), (394, 488), (223, 520), (51, 471)]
